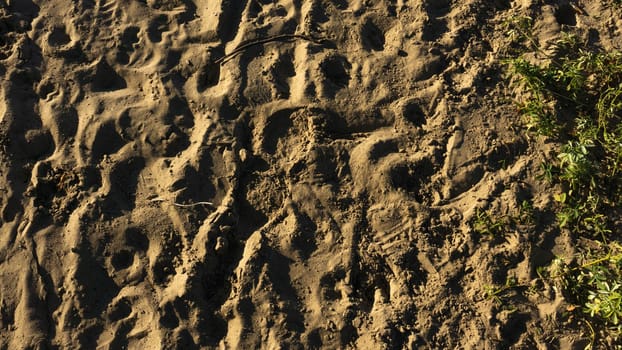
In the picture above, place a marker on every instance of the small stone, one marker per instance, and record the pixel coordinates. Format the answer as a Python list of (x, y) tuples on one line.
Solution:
[(221, 244), (243, 154)]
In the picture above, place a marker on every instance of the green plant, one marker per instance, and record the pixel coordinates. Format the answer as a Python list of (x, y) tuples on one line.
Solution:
[(597, 285), (526, 213), (499, 294), (606, 301), (485, 224), (547, 172), (518, 31), (577, 99), (573, 97)]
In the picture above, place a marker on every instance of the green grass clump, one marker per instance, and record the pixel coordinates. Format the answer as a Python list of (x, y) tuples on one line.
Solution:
[(500, 294), (486, 224), (573, 97), (597, 284), (604, 284), (576, 100), (489, 225)]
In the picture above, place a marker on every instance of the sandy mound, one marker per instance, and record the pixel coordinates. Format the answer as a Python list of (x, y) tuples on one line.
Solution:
[(267, 174)]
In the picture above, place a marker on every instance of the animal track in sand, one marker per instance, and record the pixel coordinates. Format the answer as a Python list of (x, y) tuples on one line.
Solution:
[(373, 38), (257, 172), (105, 16)]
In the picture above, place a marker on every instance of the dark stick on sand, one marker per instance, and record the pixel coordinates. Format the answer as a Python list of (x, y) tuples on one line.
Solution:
[(281, 37)]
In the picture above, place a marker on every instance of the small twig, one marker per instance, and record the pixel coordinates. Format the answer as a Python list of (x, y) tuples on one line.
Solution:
[(243, 47), (181, 204), (603, 259), (592, 334)]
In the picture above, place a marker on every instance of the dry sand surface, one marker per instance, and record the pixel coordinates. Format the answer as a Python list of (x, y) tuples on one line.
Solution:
[(270, 174)]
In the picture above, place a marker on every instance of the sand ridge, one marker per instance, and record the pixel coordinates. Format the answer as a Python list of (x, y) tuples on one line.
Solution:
[(264, 174)]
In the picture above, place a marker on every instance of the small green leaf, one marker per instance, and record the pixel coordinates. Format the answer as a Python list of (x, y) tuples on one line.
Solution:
[(560, 197)]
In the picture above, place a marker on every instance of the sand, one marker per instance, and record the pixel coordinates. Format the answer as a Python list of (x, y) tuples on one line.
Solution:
[(271, 174)]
